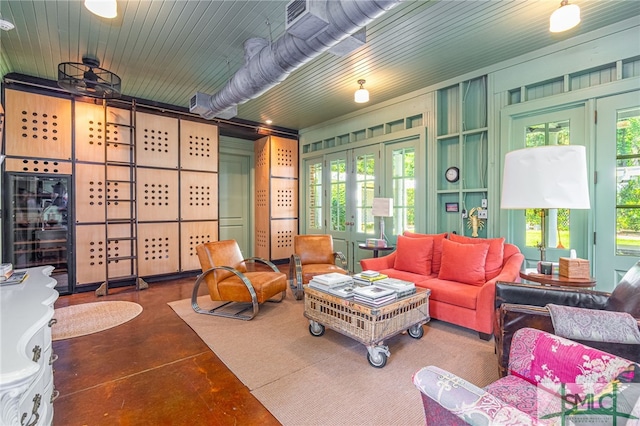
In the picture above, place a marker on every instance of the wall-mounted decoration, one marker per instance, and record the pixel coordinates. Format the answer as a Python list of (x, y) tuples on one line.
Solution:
[(451, 207)]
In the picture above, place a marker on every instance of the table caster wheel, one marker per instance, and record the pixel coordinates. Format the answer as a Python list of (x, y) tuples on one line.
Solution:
[(416, 331), (378, 360), (316, 329)]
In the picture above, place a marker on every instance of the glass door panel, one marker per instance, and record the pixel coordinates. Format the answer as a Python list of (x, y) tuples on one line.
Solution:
[(564, 229), (617, 195), (38, 231)]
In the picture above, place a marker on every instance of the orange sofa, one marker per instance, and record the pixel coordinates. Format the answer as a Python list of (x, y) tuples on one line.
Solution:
[(460, 271)]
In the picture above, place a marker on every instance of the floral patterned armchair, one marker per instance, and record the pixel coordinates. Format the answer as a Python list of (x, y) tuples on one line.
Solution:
[(549, 376)]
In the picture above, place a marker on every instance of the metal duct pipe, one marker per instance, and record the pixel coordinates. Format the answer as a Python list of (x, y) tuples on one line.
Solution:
[(266, 65)]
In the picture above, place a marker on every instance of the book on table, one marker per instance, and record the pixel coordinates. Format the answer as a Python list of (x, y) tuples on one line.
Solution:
[(344, 291), (369, 279), (377, 302), (332, 279), (369, 273), (15, 278), (373, 292), (401, 287)]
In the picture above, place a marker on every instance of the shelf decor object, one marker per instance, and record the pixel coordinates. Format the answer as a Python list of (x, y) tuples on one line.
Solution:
[(546, 177)]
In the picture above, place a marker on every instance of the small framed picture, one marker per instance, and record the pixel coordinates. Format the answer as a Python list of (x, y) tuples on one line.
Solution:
[(451, 207)]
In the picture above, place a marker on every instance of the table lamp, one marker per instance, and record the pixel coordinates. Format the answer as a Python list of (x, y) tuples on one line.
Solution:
[(546, 177), (382, 207)]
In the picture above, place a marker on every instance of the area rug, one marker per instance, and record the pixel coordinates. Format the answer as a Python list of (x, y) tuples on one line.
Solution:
[(326, 380), (87, 318)]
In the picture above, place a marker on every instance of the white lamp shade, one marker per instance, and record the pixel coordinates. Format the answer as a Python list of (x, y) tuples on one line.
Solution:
[(546, 177), (361, 96), (564, 18), (382, 207), (103, 8)]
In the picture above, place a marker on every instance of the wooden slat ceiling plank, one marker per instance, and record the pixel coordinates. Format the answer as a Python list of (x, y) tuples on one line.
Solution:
[(22, 16), (146, 46), (232, 51), (219, 70)]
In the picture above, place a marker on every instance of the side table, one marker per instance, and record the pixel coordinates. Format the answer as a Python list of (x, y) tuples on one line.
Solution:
[(376, 249), (557, 280)]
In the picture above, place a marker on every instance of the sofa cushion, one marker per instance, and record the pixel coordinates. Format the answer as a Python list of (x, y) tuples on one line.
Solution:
[(495, 256), (414, 255), (463, 262), (437, 247), (452, 292)]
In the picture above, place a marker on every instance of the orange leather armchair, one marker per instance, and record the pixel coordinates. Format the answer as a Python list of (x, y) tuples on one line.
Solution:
[(313, 255), (225, 272)]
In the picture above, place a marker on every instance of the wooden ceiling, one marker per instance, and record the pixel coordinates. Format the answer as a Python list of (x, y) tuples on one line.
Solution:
[(166, 50)]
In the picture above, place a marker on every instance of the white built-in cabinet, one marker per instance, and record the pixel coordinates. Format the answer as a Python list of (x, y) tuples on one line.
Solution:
[(27, 391)]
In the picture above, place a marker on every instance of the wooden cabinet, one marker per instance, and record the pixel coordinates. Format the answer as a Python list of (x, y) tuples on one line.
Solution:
[(27, 391), (276, 197)]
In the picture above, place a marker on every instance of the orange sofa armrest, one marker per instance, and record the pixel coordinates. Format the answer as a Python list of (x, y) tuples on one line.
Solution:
[(378, 263), (485, 304)]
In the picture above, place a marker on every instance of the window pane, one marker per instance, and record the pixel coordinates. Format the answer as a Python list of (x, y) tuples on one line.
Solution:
[(557, 223), (365, 190), (403, 172), (338, 195), (314, 197), (628, 183)]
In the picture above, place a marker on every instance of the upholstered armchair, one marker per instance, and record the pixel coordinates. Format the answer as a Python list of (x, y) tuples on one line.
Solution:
[(523, 305), (542, 369), (229, 281), (313, 255)]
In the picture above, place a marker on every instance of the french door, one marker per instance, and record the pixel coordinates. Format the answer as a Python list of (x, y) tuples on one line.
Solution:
[(617, 194), (350, 180), (564, 229)]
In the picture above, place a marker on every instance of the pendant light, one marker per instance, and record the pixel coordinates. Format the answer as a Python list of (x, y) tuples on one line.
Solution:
[(362, 95), (565, 17)]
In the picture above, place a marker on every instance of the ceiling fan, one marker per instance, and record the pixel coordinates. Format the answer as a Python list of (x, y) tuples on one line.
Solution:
[(88, 79)]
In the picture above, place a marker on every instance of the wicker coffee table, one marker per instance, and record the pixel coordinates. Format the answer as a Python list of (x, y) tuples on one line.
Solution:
[(368, 325)]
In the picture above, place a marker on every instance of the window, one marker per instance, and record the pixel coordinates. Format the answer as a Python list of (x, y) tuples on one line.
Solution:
[(365, 191), (628, 182), (314, 195), (338, 186), (403, 186), (558, 221)]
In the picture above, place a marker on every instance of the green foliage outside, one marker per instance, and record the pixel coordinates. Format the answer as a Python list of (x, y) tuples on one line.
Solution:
[(628, 150)]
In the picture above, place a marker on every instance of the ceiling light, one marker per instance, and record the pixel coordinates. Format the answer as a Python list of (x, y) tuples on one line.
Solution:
[(268, 121), (103, 8), (564, 18), (6, 25), (362, 95)]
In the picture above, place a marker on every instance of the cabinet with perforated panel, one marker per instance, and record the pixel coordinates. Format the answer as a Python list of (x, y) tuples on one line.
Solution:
[(276, 196)]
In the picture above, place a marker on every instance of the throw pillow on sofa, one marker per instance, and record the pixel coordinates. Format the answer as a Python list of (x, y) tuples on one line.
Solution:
[(463, 262), (414, 255), (437, 247), (495, 256)]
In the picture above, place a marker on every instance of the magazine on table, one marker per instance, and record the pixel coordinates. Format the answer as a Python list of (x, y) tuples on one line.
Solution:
[(344, 291), (375, 302), (15, 278), (373, 292), (401, 287), (332, 279), (369, 279)]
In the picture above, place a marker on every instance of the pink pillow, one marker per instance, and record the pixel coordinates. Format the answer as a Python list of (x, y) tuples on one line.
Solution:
[(437, 247), (495, 257), (414, 255), (463, 262)]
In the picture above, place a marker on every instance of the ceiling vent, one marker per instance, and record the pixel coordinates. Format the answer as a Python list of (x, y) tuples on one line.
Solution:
[(306, 18), (88, 79)]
